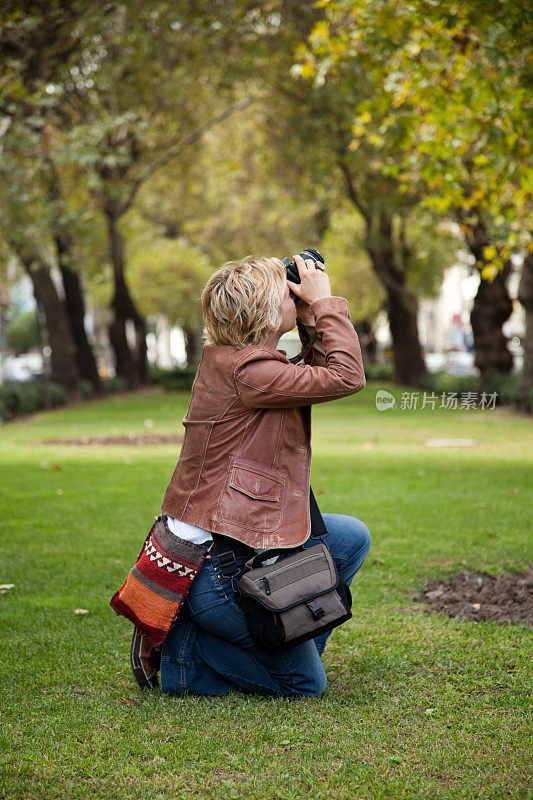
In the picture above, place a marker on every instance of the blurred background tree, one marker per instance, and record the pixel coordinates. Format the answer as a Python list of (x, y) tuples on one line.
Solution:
[(142, 144), (446, 115)]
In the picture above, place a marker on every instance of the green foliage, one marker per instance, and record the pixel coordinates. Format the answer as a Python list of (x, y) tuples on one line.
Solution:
[(506, 386), (22, 332), (167, 275), (451, 115), (349, 265), (86, 389), (174, 380), (379, 372), (115, 384), (30, 396), (444, 382)]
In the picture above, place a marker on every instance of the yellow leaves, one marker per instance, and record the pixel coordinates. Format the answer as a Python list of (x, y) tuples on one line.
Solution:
[(489, 272), (481, 158), (530, 246), (307, 70), (359, 126), (442, 203), (401, 97), (376, 140), (353, 146), (301, 52), (321, 31), (496, 255), (475, 197), (338, 48)]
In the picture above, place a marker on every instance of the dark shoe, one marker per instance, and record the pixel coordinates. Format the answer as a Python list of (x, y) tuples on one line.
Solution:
[(145, 660)]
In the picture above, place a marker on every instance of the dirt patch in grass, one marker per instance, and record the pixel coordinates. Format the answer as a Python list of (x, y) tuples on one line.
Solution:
[(127, 438), (508, 598)]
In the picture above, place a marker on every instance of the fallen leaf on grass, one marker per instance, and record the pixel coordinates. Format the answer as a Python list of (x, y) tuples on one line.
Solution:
[(81, 611), (5, 587), (127, 701)]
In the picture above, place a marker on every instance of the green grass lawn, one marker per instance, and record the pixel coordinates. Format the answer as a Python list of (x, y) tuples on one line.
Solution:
[(418, 706)]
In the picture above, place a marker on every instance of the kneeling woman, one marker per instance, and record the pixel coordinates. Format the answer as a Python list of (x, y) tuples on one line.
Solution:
[(245, 464)]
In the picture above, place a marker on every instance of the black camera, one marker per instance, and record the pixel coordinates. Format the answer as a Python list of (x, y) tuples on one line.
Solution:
[(292, 269)]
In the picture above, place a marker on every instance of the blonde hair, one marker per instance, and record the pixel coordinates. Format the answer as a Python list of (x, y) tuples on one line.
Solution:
[(241, 302)]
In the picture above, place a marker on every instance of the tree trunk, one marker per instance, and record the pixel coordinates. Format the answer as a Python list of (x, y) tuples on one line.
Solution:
[(130, 364), (193, 346), (367, 340), (492, 307), (74, 299), (401, 305), (525, 296), (64, 366), (75, 308)]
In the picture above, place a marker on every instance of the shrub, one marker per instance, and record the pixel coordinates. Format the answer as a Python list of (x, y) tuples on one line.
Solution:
[(25, 398), (379, 372), (115, 384), (86, 389), (174, 380), (57, 395), (507, 388), (444, 382)]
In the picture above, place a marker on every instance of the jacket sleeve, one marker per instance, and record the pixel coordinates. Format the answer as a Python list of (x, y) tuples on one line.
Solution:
[(270, 383)]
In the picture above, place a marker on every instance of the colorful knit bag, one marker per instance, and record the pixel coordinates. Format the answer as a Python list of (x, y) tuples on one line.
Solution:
[(152, 594)]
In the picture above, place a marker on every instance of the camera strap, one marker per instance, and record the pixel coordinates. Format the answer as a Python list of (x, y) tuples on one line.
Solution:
[(307, 353)]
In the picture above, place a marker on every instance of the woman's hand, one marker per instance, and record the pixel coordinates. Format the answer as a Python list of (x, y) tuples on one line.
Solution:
[(314, 281)]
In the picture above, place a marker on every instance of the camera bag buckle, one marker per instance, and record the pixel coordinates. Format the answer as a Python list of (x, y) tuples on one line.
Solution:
[(316, 609)]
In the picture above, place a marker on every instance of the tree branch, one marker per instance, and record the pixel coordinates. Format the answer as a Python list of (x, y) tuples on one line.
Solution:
[(352, 194), (175, 149)]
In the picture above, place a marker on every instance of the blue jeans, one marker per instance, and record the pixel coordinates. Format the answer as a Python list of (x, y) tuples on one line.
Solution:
[(209, 651)]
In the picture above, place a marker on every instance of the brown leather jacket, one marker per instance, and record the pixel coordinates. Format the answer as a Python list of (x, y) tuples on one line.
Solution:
[(245, 461)]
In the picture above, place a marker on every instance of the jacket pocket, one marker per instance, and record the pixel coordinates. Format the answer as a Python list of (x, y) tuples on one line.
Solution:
[(252, 496)]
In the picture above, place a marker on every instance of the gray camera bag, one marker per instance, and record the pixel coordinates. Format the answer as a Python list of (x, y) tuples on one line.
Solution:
[(294, 599)]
